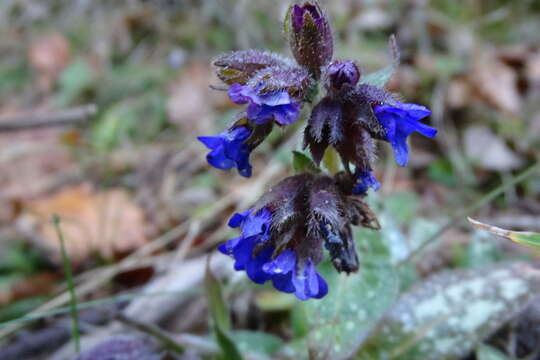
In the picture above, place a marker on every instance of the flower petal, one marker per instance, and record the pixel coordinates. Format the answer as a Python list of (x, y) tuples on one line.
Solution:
[(210, 142), (309, 283), (229, 150), (364, 181), (400, 120), (258, 224), (283, 264)]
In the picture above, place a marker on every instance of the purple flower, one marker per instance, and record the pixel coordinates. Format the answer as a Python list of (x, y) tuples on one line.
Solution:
[(229, 150), (399, 121), (276, 105), (298, 16), (253, 254), (342, 72), (363, 181)]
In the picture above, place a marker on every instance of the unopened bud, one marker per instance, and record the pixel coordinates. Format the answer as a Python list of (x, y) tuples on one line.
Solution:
[(310, 36)]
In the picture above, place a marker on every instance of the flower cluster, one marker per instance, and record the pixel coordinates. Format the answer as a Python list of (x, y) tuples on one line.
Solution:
[(285, 234)]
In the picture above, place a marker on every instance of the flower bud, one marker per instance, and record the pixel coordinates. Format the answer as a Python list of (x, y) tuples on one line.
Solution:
[(310, 36), (340, 73)]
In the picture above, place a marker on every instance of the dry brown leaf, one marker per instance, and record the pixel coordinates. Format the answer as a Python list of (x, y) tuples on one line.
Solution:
[(496, 82), (33, 162), (489, 151), (459, 94), (189, 99), (37, 284), (106, 222), (49, 55), (533, 68)]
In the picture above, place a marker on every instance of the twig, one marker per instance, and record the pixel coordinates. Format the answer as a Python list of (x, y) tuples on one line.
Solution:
[(154, 331), (59, 118)]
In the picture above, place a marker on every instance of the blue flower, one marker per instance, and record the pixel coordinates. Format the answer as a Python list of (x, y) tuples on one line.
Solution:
[(255, 232), (365, 180), (276, 105), (399, 121), (229, 150), (253, 254), (289, 276)]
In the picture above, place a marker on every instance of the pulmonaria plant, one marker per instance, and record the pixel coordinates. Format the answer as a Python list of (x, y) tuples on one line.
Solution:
[(285, 234)]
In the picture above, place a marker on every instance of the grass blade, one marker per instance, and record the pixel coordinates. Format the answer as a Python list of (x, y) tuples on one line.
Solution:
[(520, 237), (71, 285)]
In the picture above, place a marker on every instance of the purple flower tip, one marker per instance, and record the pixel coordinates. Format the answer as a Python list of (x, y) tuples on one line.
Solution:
[(364, 181), (399, 121), (276, 105), (343, 72), (298, 15), (228, 150), (253, 254)]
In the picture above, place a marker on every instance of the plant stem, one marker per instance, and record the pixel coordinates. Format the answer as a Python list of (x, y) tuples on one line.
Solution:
[(462, 214), (71, 285)]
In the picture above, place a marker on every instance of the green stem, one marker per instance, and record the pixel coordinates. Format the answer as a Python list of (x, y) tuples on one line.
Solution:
[(71, 285), (460, 215)]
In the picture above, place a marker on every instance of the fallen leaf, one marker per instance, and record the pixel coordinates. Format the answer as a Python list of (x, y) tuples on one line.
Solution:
[(34, 162), (533, 68), (189, 101), (49, 55), (487, 150), (102, 222), (496, 82), (21, 288), (459, 94)]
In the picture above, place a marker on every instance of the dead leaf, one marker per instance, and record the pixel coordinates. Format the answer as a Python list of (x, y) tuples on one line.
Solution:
[(189, 101), (533, 68), (459, 94), (35, 162), (103, 222), (489, 151), (37, 284), (496, 82), (49, 55)]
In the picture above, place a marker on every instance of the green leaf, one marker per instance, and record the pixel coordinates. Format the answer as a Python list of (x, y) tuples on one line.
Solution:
[(228, 347), (382, 77), (286, 20), (379, 78), (337, 323), (331, 160), (354, 303), (257, 342), (73, 81), (140, 118), (271, 300), (447, 315), (479, 252), (486, 352), (216, 303), (402, 205), (520, 237), (20, 308), (220, 316), (299, 322), (302, 163)]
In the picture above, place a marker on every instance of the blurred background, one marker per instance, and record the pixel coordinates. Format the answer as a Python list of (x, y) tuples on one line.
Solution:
[(100, 106)]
